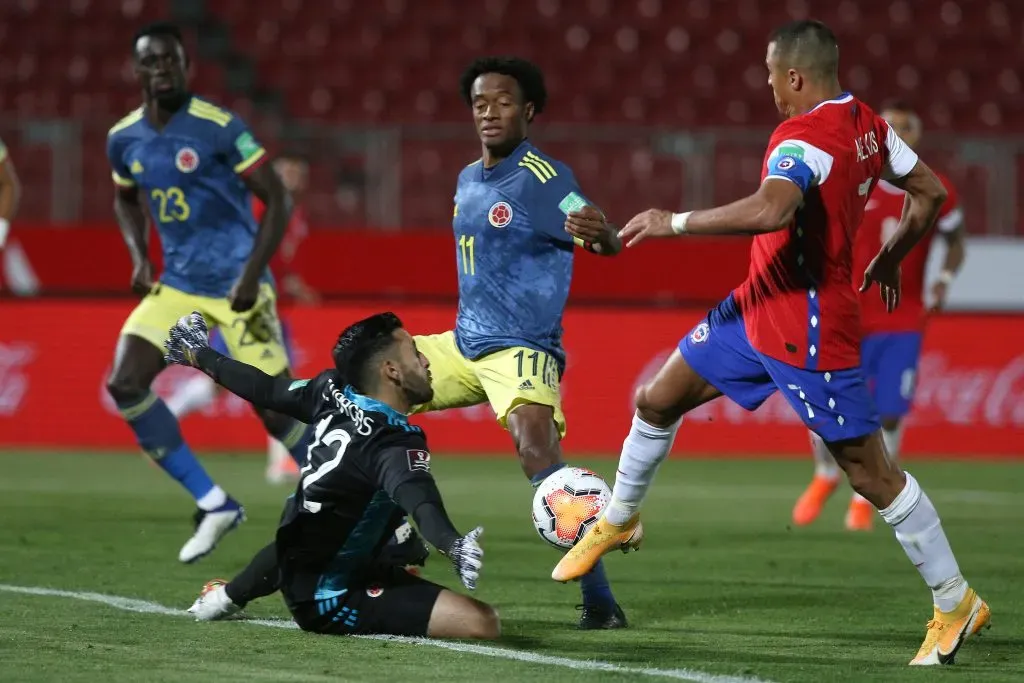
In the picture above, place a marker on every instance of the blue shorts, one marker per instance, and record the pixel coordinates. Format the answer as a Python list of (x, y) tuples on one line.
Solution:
[(835, 404), (889, 361), (218, 345)]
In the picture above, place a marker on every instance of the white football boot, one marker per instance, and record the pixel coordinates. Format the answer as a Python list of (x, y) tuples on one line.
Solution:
[(213, 603), (210, 528)]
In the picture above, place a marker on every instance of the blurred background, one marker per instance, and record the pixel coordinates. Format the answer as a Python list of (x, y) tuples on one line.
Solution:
[(652, 103)]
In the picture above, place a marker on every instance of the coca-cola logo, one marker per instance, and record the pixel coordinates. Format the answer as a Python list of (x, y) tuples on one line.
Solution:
[(946, 394), (14, 382), (989, 395)]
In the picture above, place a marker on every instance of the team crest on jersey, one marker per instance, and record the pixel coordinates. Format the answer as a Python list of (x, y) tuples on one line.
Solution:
[(186, 160), (786, 163), (500, 214), (700, 333), (374, 591), (419, 460)]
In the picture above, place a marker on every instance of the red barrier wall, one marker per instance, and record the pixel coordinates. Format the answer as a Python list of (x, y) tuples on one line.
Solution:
[(54, 356), (415, 263)]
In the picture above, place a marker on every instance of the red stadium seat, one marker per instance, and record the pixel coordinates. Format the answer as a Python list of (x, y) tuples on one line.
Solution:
[(678, 64)]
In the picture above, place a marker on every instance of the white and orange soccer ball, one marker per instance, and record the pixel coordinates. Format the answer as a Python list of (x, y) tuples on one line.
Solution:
[(568, 503)]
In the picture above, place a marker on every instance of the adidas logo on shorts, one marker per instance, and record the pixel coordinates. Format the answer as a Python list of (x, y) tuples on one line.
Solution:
[(527, 385)]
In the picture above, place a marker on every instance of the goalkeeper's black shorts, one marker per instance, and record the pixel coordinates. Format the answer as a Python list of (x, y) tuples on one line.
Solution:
[(392, 601)]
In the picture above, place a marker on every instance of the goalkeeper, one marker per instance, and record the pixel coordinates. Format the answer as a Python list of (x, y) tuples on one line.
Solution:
[(367, 468)]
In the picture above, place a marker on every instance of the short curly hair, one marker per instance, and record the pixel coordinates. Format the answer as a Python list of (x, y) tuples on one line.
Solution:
[(527, 74)]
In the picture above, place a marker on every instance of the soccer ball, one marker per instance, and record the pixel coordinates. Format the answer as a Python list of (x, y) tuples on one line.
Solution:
[(568, 503)]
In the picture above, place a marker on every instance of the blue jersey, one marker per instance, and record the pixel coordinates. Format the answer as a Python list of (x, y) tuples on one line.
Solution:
[(513, 253), (189, 174)]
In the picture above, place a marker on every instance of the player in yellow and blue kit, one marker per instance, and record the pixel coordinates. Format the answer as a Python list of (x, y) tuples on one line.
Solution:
[(194, 166), (518, 216)]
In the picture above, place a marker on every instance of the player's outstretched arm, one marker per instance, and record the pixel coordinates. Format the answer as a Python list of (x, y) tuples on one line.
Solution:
[(10, 194), (268, 188), (590, 229), (404, 474), (189, 344), (770, 209)]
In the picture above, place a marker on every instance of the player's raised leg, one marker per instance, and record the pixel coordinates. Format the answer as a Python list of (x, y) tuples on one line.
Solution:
[(714, 359), (137, 362), (958, 610), (660, 405)]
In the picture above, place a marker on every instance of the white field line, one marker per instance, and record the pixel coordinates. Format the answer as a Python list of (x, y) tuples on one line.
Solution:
[(146, 607)]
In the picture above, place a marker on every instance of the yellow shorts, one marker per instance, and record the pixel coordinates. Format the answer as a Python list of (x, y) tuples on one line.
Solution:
[(506, 379), (252, 337)]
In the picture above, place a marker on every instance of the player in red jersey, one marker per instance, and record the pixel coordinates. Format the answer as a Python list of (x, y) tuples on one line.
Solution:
[(794, 324), (294, 172), (891, 345)]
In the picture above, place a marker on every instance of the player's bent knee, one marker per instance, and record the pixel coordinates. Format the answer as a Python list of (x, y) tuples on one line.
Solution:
[(125, 389), (136, 363), (869, 471), (460, 616), (654, 409), (674, 391)]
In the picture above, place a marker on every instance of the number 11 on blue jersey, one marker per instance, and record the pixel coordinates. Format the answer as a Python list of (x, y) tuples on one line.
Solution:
[(466, 253)]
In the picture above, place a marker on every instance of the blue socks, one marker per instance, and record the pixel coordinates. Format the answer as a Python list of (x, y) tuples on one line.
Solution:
[(157, 432), (536, 479), (296, 438), (596, 591), (595, 587)]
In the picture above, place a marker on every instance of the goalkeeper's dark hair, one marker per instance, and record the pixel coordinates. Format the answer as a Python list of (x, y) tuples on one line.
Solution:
[(527, 74), (164, 29), (360, 345)]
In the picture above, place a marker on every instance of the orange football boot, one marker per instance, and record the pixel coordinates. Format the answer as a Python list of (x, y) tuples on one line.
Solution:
[(601, 539), (947, 631), (808, 506), (860, 516)]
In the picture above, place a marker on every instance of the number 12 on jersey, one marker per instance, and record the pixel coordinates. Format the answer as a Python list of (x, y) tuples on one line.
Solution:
[(336, 439), (467, 257)]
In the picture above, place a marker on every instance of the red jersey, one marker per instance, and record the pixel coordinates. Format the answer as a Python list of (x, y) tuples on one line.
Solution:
[(294, 234), (881, 216), (798, 302)]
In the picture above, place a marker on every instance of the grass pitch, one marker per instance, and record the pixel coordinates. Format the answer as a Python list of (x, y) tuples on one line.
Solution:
[(724, 589)]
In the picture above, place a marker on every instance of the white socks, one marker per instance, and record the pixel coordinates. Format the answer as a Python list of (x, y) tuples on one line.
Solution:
[(642, 452), (918, 529), (212, 499), (824, 464), (193, 395)]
